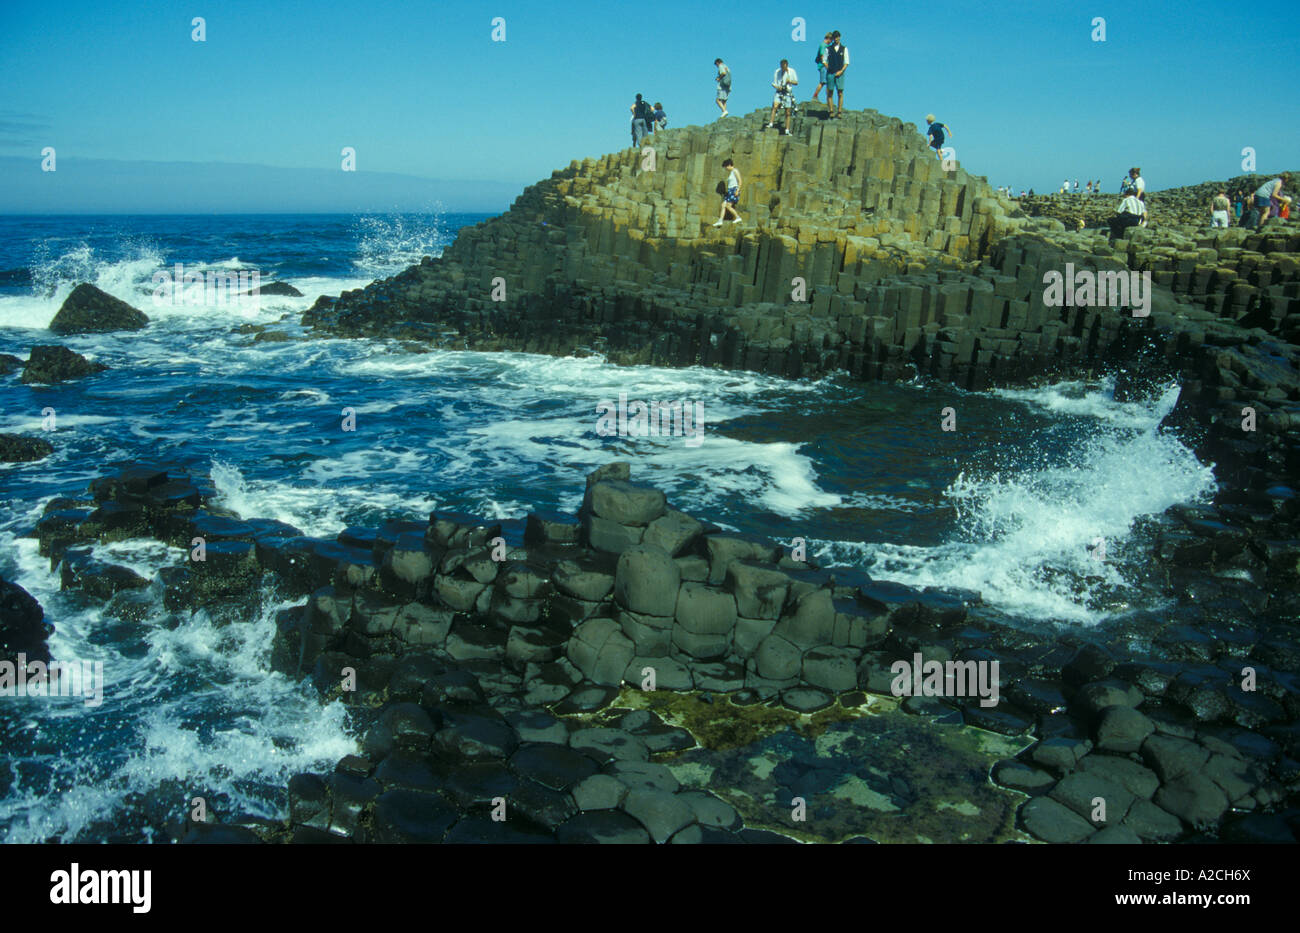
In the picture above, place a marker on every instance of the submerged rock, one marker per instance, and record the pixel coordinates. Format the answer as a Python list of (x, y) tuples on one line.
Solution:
[(51, 364), (16, 448)]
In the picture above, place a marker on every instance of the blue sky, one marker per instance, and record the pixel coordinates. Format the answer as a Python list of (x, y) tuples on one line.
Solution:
[(444, 113)]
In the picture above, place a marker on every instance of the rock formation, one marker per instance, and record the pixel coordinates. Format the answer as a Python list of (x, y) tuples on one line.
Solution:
[(51, 364), (88, 310)]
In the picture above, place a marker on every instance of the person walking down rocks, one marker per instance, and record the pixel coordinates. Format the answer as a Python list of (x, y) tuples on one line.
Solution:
[(1219, 208), (936, 130), (1131, 213), (837, 60), (732, 197), (820, 61), (642, 114), (723, 80), (1270, 200), (784, 80)]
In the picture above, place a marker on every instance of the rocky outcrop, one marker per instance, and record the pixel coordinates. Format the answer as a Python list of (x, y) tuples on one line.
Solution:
[(23, 629), (15, 448), (50, 364), (275, 288), (88, 310)]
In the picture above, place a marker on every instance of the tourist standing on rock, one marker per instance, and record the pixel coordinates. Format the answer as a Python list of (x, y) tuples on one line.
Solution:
[(936, 130), (1270, 199), (783, 81), (1130, 214), (1133, 182), (1076, 186), (660, 118), (1087, 189), (732, 197), (642, 114), (837, 60), (820, 60), (1219, 208), (723, 80)]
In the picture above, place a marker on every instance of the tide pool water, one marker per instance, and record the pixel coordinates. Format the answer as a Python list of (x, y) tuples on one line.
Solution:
[(1013, 503)]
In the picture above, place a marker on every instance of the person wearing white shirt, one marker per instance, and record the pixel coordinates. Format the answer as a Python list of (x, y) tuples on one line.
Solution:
[(1132, 212), (783, 81)]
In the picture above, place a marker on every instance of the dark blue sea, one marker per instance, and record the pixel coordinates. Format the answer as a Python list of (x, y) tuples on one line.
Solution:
[(1009, 504)]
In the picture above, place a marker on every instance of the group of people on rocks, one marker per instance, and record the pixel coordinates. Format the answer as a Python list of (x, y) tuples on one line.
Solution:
[(646, 118), (832, 61), (1252, 208)]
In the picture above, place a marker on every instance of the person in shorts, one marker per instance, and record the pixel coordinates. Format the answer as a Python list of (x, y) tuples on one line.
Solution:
[(821, 65), (1269, 198), (723, 80), (837, 61), (936, 130), (1219, 208), (784, 80), (732, 197)]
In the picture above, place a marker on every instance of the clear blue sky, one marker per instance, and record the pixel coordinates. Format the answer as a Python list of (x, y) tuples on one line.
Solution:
[(421, 91)]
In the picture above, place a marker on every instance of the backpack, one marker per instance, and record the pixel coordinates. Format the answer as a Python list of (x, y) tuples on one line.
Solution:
[(1127, 186), (647, 113), (725, 80), (818, 60)]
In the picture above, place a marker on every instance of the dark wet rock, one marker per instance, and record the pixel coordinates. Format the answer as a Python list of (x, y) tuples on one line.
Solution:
[(1003, 719), (625, 503), (218, 834), (599, 792), (643, 775), (806, 700), (1133, 777), (473, 737), (1018, 776), (17, 448), (9, 364), (710, 811), (1081, 792), (646, 581), (23, 629), (553, 766), (545, 807), (1193, 798), (275, 288), (1115, 835), (662, 814), (81, 571), (1122, 729), (604, 744), (1052, 821), (600, 650), (1171, 757), (51, 364), (351, 796), (88, 310), (408, 816), (606, 827), (1257, 828), (477, 784), (1060, 755), (1096, 697), (406, 770), (586, 700), (1152, 823), (719, 676)]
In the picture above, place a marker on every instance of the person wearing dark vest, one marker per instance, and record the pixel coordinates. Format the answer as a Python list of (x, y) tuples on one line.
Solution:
[(837, 60), (642, 114)]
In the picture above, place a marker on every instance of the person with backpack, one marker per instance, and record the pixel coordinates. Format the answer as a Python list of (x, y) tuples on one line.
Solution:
[(837, 60), (935, 131), (723, 80), (660, 118), (642, 114), (1133, 183), (820, 62)]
